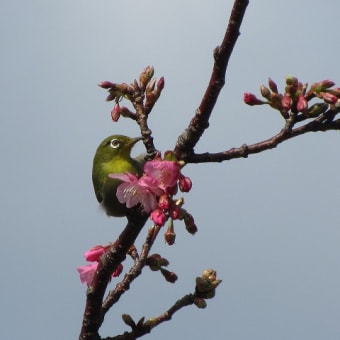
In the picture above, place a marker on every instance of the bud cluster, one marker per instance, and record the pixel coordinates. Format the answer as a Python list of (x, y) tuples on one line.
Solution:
[(150, 88), (155, 190), (297, 96), (169, 208), (205, 287)]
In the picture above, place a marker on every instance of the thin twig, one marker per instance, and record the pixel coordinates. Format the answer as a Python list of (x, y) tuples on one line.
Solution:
[(134, 272)]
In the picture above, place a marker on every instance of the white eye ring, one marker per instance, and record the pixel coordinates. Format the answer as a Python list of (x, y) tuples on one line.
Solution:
[(115, 143)]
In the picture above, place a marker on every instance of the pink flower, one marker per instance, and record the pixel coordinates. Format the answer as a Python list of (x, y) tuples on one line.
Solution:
[(135, 190), (87, 273), (166, 173), (94, 253), (158, 217)]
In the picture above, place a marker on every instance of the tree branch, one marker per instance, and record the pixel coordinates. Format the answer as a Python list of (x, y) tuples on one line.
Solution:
[(93, 316), (189, 138), (146, 327), (318, 124), (133, 273)]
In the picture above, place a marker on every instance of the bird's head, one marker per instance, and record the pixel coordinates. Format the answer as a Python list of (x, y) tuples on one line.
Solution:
[(116, 146)]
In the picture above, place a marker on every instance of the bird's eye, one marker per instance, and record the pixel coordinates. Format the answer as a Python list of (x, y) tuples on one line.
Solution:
[(114, 143)]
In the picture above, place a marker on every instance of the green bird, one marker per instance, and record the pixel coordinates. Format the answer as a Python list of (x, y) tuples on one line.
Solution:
[(113, 156)]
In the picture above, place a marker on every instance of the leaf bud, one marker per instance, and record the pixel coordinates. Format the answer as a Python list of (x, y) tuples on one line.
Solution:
[(128, 320), (146, 76), (200, 303), (316, 109)]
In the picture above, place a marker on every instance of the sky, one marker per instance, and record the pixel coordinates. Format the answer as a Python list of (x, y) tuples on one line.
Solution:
[(268, 224)]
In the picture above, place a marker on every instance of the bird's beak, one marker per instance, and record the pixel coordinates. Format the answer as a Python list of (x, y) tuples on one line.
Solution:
[(134, 141)]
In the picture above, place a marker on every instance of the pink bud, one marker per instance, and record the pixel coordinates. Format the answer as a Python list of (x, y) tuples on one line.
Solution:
[(184, 183), (118, 271), (158, 217), (160, 84), (106, 84), (251, 99), (175, 211), (272, 85), (302, 104), (115, 113), (164, 202), (286, 102), (94, 253), (329, 98)]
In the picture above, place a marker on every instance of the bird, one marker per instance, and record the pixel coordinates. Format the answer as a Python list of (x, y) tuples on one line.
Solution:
[(113, 155)]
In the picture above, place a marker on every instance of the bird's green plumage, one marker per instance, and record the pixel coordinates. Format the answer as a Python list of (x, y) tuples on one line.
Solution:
[(113, 156)]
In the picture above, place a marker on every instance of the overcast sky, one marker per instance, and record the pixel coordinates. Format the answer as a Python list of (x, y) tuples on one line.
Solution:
[(268, 224)]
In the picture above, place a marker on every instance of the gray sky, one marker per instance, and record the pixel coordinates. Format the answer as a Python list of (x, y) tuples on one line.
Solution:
[(268, 224)]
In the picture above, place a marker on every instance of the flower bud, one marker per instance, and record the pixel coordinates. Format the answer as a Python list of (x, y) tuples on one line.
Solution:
[(286, 102), (335, 91), (251, 99), (106, 84), (174, 211), (190, 224), (115, 113), (164, 202), (275, 101), (265, 92), (158, 217), (184, 183), (170, 235), (272, 85), (169, 276), (125, 112), (151, 85), (329, 97), (160, 84), (301, 104)]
